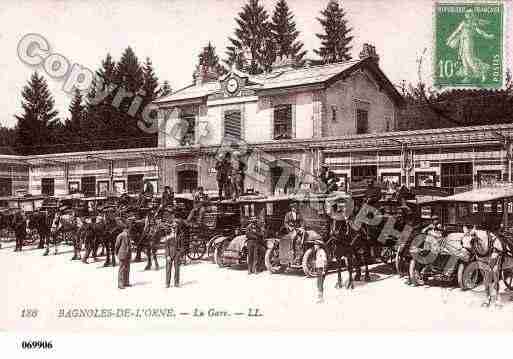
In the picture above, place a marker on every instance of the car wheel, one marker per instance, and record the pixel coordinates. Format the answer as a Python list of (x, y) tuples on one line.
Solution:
[(308, 263)]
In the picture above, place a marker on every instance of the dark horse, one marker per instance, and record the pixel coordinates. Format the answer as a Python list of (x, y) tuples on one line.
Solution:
[(41, 222), (351, 243), (106, 230)]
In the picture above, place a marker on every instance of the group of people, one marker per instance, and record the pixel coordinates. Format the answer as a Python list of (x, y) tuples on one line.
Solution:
[(230, 174)]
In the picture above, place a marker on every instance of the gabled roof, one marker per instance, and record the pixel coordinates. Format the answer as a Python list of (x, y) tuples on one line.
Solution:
[(191, 92), (289, 78)]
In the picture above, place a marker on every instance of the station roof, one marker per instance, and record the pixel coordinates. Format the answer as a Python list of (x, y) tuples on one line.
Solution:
[(480, 195), (288, 78)]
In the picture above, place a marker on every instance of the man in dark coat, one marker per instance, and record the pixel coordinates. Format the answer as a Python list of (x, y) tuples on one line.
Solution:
[(224, 169), (328, 178), (254, 236), (124, 253), (373, 193), (20, 230), (89, 238), (173, 248)]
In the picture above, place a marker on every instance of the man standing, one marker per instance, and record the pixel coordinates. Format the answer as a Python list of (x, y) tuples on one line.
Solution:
[(124, 253), (20, 229), (328, 178), (253, 235), (321, 263), (293, 223), (173, 248)]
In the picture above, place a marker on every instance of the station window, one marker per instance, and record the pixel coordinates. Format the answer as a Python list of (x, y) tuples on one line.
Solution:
[(510, 207), (475, 208), (283, 122), (333, 113), (362, 121), (499, 207), (188, 132), (233, 124), (47, 186), (487, 207)]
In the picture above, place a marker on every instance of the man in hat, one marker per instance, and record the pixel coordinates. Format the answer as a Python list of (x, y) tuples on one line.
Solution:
[(223, 170), (20, 229), (253, 243), (89, 236), (174, 247), (328, 178), (294, 224), (124, 253)]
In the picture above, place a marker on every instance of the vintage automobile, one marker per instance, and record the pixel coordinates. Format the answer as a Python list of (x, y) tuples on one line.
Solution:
[(468, 220), (230, 246), (286, 252)]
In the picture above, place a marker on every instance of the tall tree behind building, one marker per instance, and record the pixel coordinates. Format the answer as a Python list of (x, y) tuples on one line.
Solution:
[(208, 59), (39, 116), (285, 35), (7, 140), (252, 49), (97, 128), (335, 41), (165, 89)]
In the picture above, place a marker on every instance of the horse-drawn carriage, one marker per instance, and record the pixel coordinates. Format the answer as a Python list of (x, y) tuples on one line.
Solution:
[(466, 227)]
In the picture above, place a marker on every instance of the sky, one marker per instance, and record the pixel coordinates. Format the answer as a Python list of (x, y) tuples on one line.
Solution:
[(172, 33)]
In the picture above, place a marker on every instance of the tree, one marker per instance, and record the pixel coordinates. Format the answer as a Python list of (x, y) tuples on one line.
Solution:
[(284, 33), (335, 40), (208, 59), (77, 111), (34, 125), (7, 141), (252, 48)]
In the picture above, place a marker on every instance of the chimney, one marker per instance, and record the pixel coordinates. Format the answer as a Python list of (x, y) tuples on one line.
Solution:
[(283, 63), (204, 74), (369, 50)]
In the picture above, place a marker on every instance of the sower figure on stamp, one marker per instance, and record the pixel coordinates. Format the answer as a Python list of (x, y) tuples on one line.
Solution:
[(173, 246), (254, 237), (124, 252)]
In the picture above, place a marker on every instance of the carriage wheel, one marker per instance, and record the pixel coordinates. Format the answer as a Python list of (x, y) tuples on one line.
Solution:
[(272, 260), (416, 277), (197, 249), (387, 255)]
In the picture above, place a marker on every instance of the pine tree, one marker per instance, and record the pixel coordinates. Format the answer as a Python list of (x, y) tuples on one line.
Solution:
[(253, 35), (100, 115), (335, 40), (129, 76), (76, 109), (285, 34), (209, 59), (39, 115)]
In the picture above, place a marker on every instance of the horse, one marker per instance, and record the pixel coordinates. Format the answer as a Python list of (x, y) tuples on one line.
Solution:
[(154, 230), (106, 230), (67, 223), (495, 253), (40, 222), (352, 244)]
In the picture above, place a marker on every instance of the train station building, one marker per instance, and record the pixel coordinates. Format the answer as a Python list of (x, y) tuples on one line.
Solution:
[(291, 119)]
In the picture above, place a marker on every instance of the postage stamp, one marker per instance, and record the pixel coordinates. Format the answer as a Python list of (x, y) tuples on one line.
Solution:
[(469, 45)]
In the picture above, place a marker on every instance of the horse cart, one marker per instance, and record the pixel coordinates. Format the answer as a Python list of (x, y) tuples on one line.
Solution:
[(473, 227)]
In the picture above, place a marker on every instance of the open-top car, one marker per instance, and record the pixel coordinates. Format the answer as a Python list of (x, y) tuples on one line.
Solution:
[(463, 224), (294, 250)]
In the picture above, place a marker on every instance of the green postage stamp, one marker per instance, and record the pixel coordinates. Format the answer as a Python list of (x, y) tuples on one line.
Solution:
[(469, 45)]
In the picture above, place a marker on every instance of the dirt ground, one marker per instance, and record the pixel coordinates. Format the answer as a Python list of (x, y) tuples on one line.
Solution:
[(70, 296)]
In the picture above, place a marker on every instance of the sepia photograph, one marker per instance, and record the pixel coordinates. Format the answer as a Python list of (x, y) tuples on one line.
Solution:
[(237, 166)]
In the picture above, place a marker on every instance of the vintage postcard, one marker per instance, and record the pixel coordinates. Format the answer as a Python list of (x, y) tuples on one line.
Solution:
[(264, 165)]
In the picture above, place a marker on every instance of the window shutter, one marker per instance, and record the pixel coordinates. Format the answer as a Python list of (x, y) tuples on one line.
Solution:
[(232, 124)]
